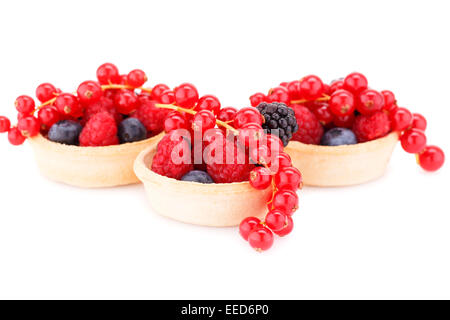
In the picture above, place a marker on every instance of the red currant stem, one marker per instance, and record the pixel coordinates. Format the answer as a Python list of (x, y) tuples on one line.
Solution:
[(324, 98), (46, 103), (123, 86), (190, 111)]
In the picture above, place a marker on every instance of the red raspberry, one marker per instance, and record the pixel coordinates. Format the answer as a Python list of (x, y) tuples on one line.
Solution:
[(103, 105), (150, 116), (100, 130), (310, 130), (371, 127), (236, 169), (173, 156)]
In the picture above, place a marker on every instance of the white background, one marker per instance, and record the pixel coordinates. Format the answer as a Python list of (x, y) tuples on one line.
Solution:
[(385, 239)]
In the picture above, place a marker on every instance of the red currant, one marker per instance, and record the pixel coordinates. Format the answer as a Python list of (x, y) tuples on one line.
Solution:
[(48, 116), (174, 121), (108, 73), (288, 178), (276, 220), (45, 92), (326, 89), (280, 160), (203, 121), (413, 140), (136, 78), (248, 225), (294, 90), (369, 101), (89, 91), (167, 97), (261, 155), (25, 104), (431, 158), (247, 115), (344, 121), (323, 114), (311, 87), (257, 98), (390, 104), (274, 143), (279, 94), (287, 229), (126, 101), (336, 85), (227, 114), (158, 90), (342, 103), (123, 79), (355, 83), (186, 95), (15, 137), (250, 135), (284, 84), (68, 104), (285, 200), (5, 124), (401, 119), (261, 239), (29, 126), (419, 122), (208, 102), (260, 178)]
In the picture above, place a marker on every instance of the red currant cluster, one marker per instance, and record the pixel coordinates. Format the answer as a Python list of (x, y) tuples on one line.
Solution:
[(350, 103)]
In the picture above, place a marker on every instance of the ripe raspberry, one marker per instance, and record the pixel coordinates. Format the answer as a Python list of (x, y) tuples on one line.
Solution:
[(310, 130), (236, 169), (100, 130), (371, 127), (150, 116), (173, 156), (103, 105)]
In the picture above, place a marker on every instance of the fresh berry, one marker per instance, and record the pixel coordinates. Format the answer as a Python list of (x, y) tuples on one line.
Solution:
[(355, 83), (260, 178), (126, 101), (208, 102), (287, 229), (131, 130), (108, 73), (103, 105), (342, 103), (390, 104), (197, 176), (431, 158), (344, 121), (401, 119), (324, 114), (167, 97), (419, 122), (48, 116), (45, 92), (66, 132), (257, 98), (367, 128), (336, 85), (68, 104), (5, 124), (173, 156), (413, 140), (25, 105), (29, 126), (280, 160), (261, 239), (136, 78), (369, 101), (338, 136), (15, 137), (279, 120), (311, 87), (294, 90), (100, 130), (158, 90), (203, 121), (227, 115), (151, 116), (279, 94), (248, 225), (276, 220), (175, 121), (228, 166), (310, 130), (247, 115), (186, 95), (250, 135), (284, 200), (288, 178), (89, 92)]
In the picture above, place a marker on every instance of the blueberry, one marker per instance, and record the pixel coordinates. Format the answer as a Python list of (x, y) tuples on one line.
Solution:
[(338, 136), (65, 131), (131, 130), (197, 176)]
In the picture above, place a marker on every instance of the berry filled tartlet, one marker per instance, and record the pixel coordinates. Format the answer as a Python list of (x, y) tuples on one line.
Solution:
[(218, 167), (91, 138), (347, 130)]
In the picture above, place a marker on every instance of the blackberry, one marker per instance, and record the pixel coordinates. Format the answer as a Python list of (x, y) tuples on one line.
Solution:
[(279, 120), (65, 132)]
